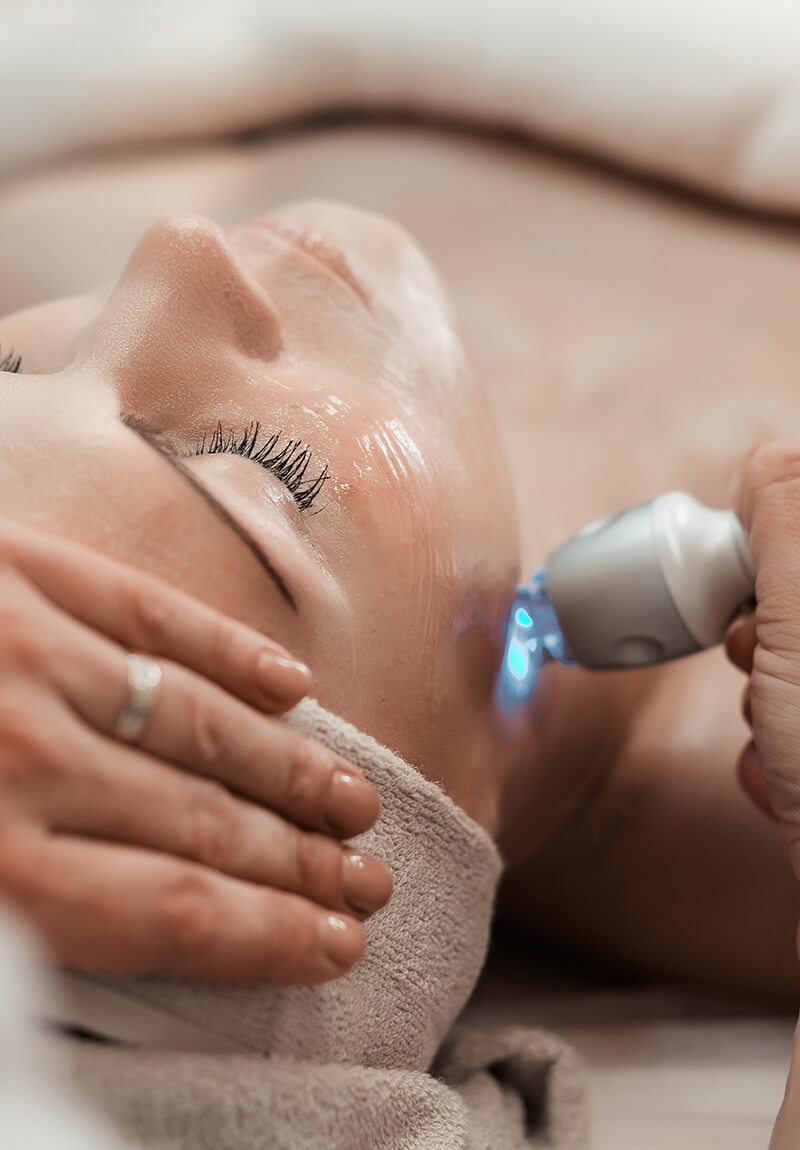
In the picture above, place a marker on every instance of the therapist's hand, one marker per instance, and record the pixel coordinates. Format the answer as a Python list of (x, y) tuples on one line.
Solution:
[(765, 643), (210, 849)]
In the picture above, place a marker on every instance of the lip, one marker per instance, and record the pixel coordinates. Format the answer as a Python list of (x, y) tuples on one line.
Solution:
[(322, 250)]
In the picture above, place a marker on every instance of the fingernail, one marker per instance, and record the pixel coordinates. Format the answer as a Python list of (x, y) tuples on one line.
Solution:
[(352, 804), (366, 883), (282, 677), (342, 939)]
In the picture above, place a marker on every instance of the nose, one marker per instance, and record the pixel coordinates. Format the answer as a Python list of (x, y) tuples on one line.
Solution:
[(184, 273)]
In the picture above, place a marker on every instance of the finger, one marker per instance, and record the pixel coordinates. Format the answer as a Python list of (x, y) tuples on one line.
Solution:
[(113, 908), (752, 780), (769, 503), (741, 481), (144, 613), (767, 466), (747, 705), (197, 725), (100, 787), (740, 641)]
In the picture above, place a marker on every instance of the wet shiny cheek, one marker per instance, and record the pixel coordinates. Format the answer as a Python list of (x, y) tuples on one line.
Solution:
[(410, 580), (439, 512), (400, 505), (390, 514)]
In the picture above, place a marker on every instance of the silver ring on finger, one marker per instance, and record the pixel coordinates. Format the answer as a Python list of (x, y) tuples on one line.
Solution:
[(144, 682)]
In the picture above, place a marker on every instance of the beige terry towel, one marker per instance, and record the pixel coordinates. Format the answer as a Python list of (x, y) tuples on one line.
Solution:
[(348, 1065)]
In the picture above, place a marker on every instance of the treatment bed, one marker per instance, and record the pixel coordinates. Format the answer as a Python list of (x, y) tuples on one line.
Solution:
[(665, 321)]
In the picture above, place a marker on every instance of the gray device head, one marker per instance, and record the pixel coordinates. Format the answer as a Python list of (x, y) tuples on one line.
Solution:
[(652, 583)]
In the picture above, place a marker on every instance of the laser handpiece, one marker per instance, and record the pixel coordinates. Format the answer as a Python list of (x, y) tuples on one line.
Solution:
[(652, 583)]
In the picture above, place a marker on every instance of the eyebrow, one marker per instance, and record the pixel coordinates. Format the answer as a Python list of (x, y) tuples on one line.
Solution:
[(154, 440)]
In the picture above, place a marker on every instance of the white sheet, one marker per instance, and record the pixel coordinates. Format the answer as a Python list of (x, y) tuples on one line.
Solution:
[(37, 1110), (703, 91)]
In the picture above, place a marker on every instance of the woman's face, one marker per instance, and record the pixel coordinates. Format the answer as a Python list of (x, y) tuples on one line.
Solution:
[(368, 474)]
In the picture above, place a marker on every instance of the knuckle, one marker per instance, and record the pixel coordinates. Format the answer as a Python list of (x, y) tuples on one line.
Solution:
[(27, 744), (784, 795), (186, 913), (306, 943), (9, 543), (772, 461), (19, 874), (24, 642), (302, 934), (150, 617), (747, 706), (318, 865), (292, 947), (209, 729), (304, 779), (212, 827), (767, 481), (219, 637)]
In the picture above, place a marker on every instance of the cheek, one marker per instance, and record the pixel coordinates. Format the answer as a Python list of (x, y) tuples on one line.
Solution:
[(399, 574)]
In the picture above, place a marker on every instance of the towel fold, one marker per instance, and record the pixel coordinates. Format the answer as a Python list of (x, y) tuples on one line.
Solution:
[(424, 950), (370, 1062), (507, 1089)]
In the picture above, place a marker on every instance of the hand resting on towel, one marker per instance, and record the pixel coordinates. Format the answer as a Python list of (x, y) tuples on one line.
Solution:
[(209, 849)]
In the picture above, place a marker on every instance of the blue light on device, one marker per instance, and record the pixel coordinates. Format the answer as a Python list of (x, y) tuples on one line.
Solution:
[(534, 636)]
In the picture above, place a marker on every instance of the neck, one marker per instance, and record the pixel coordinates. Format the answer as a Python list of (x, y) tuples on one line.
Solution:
[(550, 775)]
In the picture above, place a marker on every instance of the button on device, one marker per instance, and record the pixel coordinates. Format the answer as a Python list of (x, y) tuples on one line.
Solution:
[(637, 651)]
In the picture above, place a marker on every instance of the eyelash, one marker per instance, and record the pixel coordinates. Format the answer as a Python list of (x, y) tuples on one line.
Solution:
[(11, 362), (289, 463)]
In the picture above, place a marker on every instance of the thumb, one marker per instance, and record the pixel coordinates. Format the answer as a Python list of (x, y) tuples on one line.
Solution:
[(769, 507)]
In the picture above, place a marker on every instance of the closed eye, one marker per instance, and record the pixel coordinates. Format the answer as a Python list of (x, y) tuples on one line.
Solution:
[(290, 463), (154, 440), (10, 362)]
